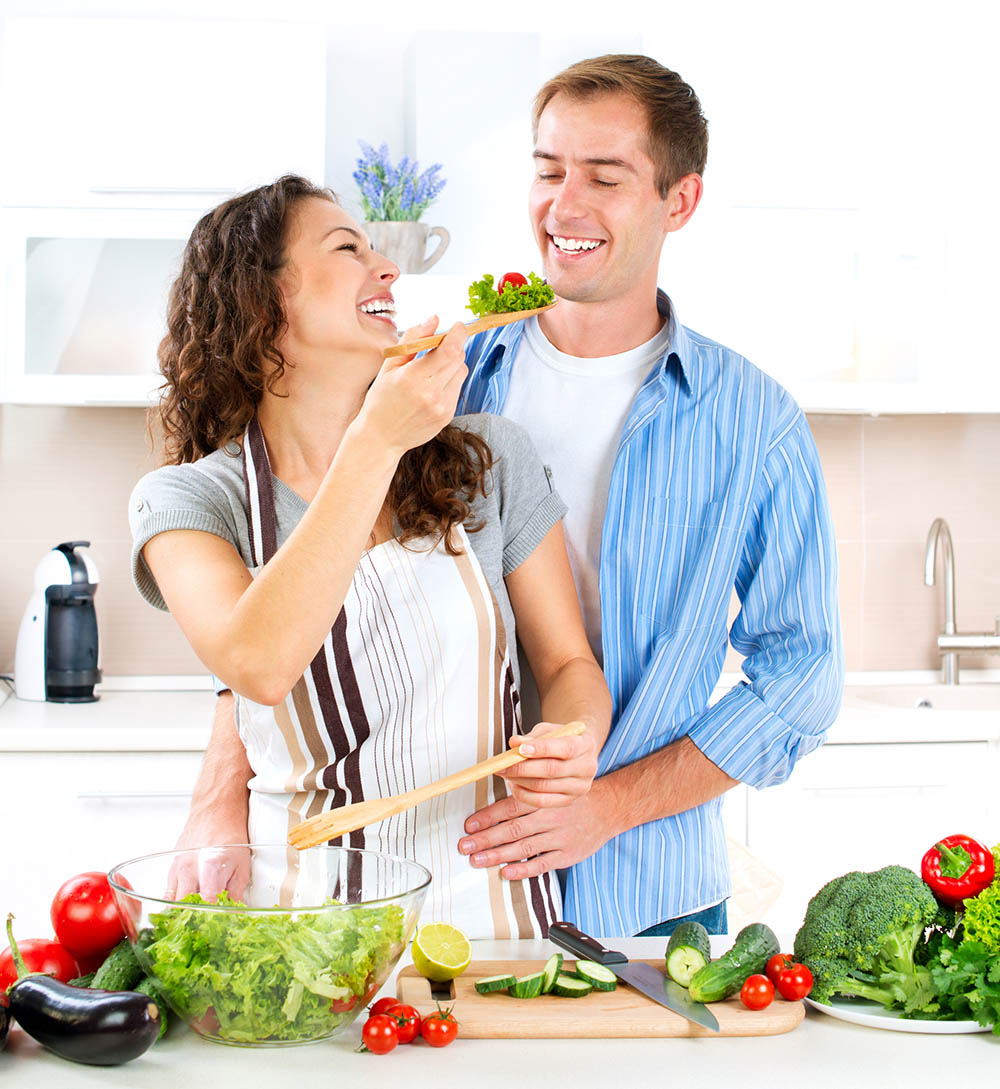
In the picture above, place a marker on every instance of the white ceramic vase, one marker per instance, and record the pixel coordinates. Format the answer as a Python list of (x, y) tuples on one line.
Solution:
[(405, 243)]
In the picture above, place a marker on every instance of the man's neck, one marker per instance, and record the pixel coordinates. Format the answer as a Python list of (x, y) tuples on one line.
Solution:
[(594, 330)]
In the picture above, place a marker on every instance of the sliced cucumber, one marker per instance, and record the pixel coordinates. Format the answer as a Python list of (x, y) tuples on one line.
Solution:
[(570, 986), (688, 951), (550, 971), (492, 984), (528, 986), (599, 977)]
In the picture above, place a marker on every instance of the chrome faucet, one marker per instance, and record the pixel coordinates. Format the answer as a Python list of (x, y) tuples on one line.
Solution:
[(951, 641)]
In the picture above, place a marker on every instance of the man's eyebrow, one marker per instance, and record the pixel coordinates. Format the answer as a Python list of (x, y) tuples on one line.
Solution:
[(595, 160)]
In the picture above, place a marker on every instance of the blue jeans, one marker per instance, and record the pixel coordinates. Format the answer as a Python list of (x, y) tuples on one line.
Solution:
[(713, 919)]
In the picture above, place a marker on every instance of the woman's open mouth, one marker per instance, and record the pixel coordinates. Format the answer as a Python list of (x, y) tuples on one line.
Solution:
[(381, 309)]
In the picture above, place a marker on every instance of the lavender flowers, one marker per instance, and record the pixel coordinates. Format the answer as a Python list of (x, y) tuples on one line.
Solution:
[(394, 192)]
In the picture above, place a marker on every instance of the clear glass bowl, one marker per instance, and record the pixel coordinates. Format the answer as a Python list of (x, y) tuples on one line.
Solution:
[(313, 935)]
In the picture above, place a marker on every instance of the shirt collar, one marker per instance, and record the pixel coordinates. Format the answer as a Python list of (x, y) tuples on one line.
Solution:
[(679, 347)]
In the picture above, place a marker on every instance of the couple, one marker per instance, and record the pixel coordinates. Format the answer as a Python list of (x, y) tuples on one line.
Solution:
[(353, 562)]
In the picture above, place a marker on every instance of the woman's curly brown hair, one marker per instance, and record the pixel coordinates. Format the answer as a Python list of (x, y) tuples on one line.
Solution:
[(224, 319)]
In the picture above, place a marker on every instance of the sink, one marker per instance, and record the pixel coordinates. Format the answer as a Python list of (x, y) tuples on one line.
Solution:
[(926, 697)]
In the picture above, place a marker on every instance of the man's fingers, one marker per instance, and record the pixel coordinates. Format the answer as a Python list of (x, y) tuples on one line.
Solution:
[(535, 867), (491, 815)]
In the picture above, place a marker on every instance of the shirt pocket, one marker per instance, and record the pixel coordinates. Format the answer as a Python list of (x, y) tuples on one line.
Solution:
[(687, 576)]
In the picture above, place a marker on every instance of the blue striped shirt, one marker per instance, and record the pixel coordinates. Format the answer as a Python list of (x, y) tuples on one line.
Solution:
[(716, 485)]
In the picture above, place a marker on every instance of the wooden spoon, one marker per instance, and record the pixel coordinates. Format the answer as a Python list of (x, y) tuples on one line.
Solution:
[(491, 321), (327, 826)]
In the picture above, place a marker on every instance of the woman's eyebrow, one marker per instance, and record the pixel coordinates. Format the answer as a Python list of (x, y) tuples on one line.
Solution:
[(350, 230)]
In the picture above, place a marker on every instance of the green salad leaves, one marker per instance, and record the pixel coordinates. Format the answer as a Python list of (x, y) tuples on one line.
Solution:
[(280, 976), (484, 298)]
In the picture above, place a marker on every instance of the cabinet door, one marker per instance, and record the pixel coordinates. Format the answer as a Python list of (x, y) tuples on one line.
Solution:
[(158, 112), (72, 812), (84, 298), (861, 807)]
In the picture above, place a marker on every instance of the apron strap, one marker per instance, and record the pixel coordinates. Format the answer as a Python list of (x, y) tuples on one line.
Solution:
[(261, 518)]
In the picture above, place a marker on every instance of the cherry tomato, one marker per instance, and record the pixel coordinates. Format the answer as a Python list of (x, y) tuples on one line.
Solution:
[(40, 955), (514, 278), (439, 1029), (379, 1034), (84, 915), (383, 1005), (757, 993), (343, 1005), (794, 982), (407, 1022), (775, 965)]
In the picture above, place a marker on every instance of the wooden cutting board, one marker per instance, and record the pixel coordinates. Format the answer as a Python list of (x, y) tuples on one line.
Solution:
[(621, 1012)]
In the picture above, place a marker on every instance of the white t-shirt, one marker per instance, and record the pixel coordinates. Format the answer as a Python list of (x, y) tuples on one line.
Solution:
[(574, 410)]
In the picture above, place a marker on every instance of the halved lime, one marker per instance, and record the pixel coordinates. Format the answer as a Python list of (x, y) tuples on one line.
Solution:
[(440, 952)]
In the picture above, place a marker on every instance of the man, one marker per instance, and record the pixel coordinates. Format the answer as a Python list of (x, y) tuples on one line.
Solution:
[(688, 473)]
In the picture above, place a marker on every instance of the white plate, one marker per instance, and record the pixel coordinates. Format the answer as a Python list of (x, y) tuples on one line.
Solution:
[(860, 1012)]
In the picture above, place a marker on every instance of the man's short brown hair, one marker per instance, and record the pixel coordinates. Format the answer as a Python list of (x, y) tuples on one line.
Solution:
[(677, 129)]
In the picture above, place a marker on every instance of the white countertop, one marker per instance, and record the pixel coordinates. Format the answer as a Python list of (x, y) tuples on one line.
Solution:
[(820, 1053)]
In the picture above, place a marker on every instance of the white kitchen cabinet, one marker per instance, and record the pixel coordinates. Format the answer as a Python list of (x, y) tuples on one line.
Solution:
[(864, 806), (69, 812), (84, 299), (158, 112)]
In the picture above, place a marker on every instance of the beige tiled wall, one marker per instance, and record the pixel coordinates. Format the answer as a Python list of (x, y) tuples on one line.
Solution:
[(66, 474)]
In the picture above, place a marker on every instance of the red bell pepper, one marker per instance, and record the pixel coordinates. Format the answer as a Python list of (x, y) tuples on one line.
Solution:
[(956, 868)]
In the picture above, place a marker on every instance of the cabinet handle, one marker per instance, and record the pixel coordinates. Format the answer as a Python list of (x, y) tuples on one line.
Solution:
[(141, 189), (115, 796)]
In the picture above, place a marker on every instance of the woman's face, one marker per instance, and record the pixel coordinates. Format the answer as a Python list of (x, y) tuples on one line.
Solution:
[(337, 290)]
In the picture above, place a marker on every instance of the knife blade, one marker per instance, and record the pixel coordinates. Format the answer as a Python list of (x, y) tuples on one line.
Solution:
[(643, 977)]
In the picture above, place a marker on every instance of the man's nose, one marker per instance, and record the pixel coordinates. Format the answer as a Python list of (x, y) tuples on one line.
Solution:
[(569, 200)]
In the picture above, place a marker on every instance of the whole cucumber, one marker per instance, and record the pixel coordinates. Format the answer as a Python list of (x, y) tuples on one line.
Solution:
[(755, 945)]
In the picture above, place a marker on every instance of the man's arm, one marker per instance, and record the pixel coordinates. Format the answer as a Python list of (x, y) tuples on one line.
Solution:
[(789, 630), (218, 814)]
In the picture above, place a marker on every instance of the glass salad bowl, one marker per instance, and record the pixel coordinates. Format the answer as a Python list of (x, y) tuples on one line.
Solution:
[(291, 952)]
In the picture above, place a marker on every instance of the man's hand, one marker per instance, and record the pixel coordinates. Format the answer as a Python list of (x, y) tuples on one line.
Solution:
[(557, 770), (528, 842)]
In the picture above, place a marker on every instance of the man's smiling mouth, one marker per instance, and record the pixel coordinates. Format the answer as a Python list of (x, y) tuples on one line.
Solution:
[(575, 245)]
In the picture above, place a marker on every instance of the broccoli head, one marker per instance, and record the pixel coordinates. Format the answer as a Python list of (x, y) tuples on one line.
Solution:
[(860, 936)]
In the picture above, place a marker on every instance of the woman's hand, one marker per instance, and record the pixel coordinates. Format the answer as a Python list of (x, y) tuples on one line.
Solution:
[(558, 770), (412, 398)]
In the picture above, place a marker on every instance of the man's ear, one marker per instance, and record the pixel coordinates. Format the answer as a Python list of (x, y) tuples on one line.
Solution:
[(681, 201)]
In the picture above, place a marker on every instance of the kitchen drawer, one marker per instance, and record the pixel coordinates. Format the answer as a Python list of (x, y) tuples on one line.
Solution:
[(70, 812), (860, 807)]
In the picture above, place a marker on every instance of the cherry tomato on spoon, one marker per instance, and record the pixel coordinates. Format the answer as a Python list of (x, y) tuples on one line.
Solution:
[(514, 278)]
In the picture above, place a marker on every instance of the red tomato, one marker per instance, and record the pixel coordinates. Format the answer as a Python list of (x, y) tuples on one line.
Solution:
[(383, 1005), (439, 1029), (794, 982), (343, 1005), (757, 993), (84, 915), (514, 278), (407, 1022), (775, 965), (40, 955), (379, 1034)]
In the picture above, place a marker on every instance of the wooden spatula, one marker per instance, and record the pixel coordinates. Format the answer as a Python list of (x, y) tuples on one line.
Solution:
[(327, 826), (491, 321)]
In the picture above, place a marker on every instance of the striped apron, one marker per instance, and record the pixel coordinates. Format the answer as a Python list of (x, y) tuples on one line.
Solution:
[(413, 682)]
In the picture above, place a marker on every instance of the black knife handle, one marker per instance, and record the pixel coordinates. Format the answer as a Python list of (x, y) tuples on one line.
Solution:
[(582, 945)]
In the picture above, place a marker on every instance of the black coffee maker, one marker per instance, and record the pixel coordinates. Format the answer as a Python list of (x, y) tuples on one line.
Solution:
[(57, 648)]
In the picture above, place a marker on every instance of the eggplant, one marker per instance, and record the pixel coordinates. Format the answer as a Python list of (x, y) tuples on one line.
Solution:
[(4, 1022), (102, 1028)]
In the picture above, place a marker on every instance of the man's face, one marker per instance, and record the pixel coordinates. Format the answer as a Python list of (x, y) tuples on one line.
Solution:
[(597, 216)]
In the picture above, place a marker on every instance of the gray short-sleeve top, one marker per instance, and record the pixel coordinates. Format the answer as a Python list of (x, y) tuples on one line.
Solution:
[(519, 508)]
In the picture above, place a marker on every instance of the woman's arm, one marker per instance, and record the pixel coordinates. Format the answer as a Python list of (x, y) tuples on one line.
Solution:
[(258, 635), (570, 682)]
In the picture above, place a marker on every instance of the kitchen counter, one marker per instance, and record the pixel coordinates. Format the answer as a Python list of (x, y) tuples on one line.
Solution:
[(821, 1052)]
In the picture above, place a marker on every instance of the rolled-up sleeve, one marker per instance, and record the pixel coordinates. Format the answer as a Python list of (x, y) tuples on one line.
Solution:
[(788, 626)]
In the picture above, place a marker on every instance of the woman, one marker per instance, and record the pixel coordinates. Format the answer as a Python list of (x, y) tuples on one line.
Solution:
[(349, 560)]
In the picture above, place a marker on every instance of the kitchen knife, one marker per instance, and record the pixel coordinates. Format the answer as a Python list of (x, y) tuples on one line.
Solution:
[(643, 977)]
